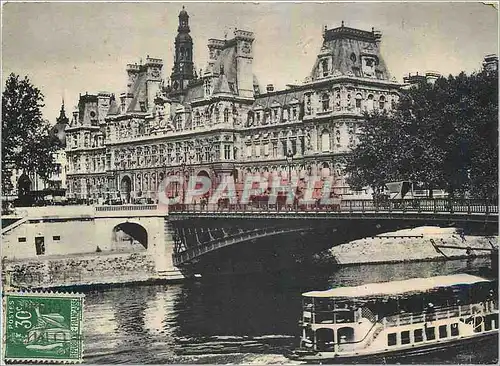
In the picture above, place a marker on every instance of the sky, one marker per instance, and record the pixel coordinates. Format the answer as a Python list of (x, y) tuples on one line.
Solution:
[(68, 48)]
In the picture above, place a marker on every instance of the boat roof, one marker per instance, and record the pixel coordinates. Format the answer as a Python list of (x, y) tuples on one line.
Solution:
[(394, 288)]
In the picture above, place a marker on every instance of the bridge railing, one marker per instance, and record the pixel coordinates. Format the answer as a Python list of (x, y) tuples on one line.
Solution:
[(464, 206), (107, 208)]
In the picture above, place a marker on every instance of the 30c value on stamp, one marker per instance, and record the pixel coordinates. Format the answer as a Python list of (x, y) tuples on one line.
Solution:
[(43, 327)]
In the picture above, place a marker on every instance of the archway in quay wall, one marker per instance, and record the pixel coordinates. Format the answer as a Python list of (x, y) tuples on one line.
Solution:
[(129, 236)]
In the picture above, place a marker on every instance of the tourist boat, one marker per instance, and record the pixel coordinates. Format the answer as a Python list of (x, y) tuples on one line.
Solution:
[(397, 318)]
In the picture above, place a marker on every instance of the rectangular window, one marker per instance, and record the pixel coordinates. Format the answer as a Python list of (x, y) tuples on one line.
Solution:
[(56, 237), (391, 339), (21, 239), (358, 103), (227, 152), (405, 337), (217, 152), (443, 332), (257, 150), (266, 148), (418, 335), (40, 245), (249, 151), (430, 333), (454, 329)]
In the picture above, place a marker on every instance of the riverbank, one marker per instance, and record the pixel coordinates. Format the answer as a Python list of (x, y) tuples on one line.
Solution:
[(425, 243), (86, 270)]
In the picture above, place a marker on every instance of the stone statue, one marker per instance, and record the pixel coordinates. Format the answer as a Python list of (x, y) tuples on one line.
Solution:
[(308, 141)]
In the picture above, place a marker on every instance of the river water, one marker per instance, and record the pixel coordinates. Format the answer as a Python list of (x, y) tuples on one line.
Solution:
[(251, 319)]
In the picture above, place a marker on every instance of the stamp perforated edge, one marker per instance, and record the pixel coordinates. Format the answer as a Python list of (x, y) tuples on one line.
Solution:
[(39, 293)]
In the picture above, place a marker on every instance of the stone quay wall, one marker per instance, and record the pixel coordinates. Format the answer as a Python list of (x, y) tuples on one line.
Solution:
[(86, 246), (84, 269), (413, 245)]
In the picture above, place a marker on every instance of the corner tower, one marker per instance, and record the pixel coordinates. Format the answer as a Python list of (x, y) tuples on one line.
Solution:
[(182, 72), (350, 52)]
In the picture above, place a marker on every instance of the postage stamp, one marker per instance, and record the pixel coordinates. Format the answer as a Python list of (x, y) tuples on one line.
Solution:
[(43, 327)]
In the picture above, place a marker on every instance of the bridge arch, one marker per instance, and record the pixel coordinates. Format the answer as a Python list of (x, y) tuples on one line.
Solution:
[(129, 235)]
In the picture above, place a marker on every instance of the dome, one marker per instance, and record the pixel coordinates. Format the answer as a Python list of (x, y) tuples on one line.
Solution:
[(183, 13)]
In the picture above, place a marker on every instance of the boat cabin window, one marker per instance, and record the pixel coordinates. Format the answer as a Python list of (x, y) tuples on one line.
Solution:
[(490, 321), (443, 332), (391, 339), (344, 316), (418, 335), (323, 305), (405, 337), (454, 329), (478, 322), (430, 333), (345, 334), (325, 339)]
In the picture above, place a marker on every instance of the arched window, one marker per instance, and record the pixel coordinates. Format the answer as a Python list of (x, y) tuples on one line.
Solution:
[(217, 115), (324, 66), (325, 141), (381, 102), (359, 98), (226, 115), (369, 103), (197, 119), (325, 102)]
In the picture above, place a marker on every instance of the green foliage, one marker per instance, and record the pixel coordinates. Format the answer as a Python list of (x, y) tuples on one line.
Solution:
[(443, 135), (26, 143)]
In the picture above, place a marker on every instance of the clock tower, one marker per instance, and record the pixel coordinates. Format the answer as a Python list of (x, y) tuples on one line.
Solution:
[(182, 71)]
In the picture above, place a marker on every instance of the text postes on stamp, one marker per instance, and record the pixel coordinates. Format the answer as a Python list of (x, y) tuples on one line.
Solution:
[(43, 326)]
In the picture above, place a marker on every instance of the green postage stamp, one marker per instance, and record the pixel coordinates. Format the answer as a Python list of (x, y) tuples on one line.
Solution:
[(43, 327)]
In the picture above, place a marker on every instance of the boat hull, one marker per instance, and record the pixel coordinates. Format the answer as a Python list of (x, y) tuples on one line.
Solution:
[(400, 354)]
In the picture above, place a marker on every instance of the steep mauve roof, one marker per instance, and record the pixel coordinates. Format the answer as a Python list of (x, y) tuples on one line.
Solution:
[(114, 108), (193, 92), (139, 93), (227, 59), (343, 42), (283, 98)]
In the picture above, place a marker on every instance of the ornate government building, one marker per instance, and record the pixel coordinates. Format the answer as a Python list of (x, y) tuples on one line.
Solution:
[(220, 121)]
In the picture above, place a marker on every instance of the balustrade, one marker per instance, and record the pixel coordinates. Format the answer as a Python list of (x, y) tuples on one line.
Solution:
[(348, 206)]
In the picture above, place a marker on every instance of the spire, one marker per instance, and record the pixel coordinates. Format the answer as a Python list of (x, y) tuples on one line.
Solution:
[(62, 114), (182, 70)]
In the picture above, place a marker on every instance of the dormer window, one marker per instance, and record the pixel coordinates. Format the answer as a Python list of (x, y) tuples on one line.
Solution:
[(368, 65), (324, 67), (142, 106), (275, 114), (226, 115)]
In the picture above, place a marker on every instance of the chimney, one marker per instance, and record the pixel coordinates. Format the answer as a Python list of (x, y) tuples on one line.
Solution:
[(270, 88)]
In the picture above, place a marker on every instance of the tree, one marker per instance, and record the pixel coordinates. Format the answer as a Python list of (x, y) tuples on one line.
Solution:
[(443, 135), (26, 143)]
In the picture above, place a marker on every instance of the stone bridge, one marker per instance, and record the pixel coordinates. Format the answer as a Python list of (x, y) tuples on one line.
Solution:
[(201, 231)]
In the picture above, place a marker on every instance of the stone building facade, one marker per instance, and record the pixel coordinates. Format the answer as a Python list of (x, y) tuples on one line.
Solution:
[(221, 122)]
